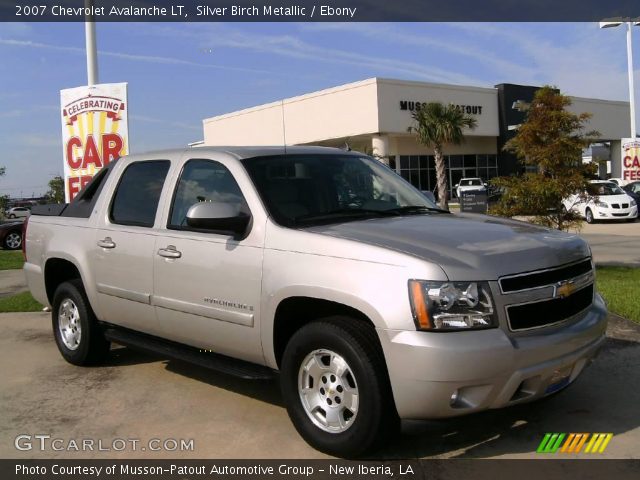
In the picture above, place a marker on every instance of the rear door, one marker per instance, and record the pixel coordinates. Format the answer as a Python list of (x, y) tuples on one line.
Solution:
[(125, 239), (207, 283)]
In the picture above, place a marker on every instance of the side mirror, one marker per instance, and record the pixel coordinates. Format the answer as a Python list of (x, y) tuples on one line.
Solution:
[(218, 216), (456, 185)]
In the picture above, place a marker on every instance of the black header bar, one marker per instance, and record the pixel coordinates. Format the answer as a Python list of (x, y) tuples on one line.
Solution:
[(319, 10)]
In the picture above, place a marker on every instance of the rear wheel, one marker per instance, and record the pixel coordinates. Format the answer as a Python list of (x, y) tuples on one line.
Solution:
[(13, 241), (588, 215), (335, 385), (75, 327)]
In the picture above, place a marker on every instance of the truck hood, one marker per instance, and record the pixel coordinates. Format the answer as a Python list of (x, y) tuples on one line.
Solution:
[(466, 246)]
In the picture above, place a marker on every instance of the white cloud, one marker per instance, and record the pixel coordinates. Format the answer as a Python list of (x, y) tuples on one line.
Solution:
[(128, 56), (223, 36)]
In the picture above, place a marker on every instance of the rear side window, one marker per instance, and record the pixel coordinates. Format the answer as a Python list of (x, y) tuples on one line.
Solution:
[(136, 199)]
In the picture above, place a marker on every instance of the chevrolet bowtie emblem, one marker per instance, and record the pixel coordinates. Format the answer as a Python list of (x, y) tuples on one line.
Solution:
[(564, 289)]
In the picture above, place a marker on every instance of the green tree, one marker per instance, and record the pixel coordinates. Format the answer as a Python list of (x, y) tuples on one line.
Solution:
[(550, 141), (56, 190), (437, 125)]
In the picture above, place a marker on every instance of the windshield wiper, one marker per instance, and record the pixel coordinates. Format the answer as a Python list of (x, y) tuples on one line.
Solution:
[(408, 209)]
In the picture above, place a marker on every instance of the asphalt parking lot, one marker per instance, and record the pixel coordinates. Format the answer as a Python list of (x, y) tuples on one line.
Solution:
[(137, 396)]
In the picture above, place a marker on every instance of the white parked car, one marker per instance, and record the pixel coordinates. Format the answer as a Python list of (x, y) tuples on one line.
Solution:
[(611, 203), (17, 212), (618, 181), (469, 184)]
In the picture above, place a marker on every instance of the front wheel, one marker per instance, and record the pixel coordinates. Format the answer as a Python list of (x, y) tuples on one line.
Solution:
[(75, 327), (12, 216), (588, 215), (335, 386)]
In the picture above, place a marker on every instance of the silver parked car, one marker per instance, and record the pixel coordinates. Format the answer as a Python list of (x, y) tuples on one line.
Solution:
[(372, 303), (17, 212)]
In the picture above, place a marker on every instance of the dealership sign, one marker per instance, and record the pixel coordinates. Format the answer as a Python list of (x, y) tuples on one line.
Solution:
[(413, 106), (95, 131), (630, 159)]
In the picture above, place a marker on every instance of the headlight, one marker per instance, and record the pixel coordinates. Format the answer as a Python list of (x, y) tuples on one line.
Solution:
[(442, 306), (633, 202), (602, 205)]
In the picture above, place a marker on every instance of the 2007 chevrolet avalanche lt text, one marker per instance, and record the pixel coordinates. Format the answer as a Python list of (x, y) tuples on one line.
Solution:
[(373, 304)]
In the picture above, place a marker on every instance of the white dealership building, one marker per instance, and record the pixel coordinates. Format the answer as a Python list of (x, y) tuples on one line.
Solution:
[(374, 115)]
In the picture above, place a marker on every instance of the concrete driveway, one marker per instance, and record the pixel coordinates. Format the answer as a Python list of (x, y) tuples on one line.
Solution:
[(136, 396), (12, 282), (614, 243)]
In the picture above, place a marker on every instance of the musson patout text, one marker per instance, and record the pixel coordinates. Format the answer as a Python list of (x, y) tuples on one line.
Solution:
[(174, 469)]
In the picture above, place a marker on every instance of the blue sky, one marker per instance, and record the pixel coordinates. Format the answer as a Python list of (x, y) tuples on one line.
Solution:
[(179, 74)]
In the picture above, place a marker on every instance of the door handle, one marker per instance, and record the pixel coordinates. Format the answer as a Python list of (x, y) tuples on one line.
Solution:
[(106, 243), (169, 252)]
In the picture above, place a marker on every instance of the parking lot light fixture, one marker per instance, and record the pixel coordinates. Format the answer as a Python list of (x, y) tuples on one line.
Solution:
[(616, 22)]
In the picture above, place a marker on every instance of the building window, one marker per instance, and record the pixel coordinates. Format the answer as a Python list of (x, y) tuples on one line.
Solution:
[(420, 170)]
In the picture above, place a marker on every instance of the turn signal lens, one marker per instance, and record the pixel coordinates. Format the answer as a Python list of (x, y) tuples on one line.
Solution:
[(419, 306)]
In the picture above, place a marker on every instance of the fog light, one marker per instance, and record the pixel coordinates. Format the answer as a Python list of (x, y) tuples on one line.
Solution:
[(454, 398)]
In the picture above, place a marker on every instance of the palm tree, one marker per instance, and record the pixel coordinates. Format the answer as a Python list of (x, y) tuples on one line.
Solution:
[(436, 125)]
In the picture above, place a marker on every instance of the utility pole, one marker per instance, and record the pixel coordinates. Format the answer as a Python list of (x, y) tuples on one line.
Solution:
[(91, 46)]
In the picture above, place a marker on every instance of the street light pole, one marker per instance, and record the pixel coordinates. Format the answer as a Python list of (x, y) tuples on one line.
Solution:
[(632, 100), (629, 23), (91, 46)]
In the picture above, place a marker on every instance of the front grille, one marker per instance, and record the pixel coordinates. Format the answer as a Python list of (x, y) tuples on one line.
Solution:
[(625, 205), (615, 205), (620, 214), (548, 312), (526, 281)]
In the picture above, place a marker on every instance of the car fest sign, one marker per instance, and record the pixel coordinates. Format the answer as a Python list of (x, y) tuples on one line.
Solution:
[(630, 159), (95, 131)]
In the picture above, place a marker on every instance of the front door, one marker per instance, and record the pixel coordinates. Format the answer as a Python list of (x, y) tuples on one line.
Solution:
[(207, 284)]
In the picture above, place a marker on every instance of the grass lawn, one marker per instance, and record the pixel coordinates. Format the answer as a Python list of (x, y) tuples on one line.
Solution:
[(11, 259), (22, 302), (620, 287)]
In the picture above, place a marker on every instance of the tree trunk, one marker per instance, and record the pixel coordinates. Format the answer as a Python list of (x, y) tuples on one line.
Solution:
[(441, 176)]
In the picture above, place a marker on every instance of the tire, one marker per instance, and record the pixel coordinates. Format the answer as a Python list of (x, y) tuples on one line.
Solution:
[(75, 327), (328, 347), (13, 241), (12, 216), (588, 216)]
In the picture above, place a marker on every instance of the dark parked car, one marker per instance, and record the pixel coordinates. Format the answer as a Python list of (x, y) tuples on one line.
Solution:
[(633, 190), (11, 235)]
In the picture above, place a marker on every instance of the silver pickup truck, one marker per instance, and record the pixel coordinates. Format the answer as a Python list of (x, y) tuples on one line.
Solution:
[(325, 266)]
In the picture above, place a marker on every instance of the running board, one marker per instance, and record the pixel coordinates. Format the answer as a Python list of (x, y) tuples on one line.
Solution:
[(177, 351)]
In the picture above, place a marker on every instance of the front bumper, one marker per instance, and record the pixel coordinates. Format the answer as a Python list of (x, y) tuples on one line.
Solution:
[(445, 374), (615, 213)]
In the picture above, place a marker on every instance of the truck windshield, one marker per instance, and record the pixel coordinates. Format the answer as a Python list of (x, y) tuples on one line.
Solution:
[(304, 190)]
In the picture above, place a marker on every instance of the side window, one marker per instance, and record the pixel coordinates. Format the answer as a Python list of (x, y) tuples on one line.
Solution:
[(136, 198), (203, 181)]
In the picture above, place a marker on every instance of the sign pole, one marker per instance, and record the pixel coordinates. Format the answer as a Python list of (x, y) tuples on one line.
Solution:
[(91, 46)]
